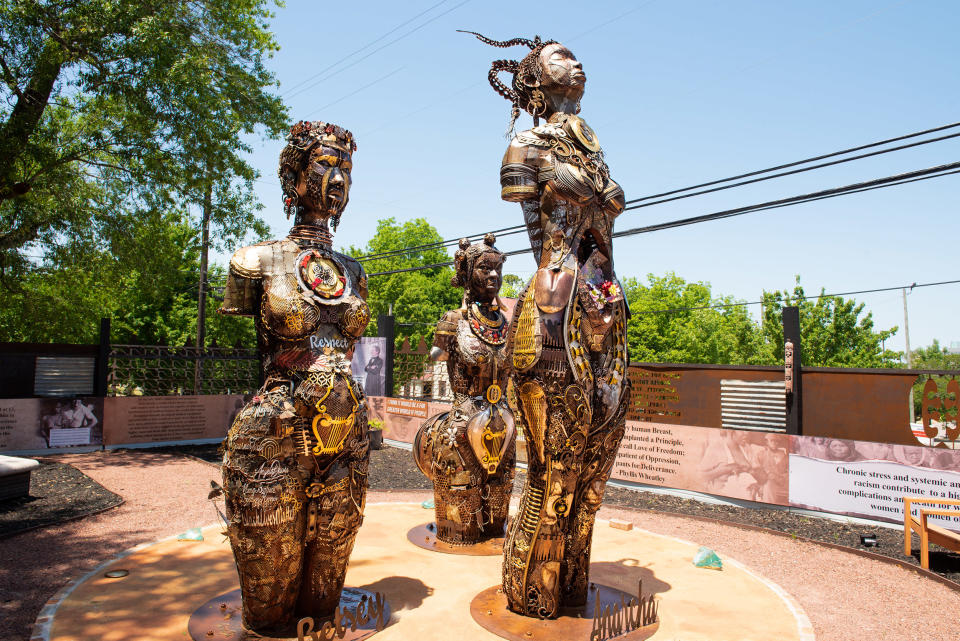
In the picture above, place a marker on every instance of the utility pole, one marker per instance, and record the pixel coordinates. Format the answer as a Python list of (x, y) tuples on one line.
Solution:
[(794, 399), (202, 288), (906, 336)]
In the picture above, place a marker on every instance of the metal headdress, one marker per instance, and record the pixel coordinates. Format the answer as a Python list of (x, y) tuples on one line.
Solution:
[(524, 92)]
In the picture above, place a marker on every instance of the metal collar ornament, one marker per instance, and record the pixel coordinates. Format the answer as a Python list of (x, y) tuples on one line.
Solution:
[(492, 332)]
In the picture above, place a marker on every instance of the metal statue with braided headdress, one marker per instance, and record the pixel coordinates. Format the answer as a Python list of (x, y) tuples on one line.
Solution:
[(295, 466), (469, 451), (567, 339)]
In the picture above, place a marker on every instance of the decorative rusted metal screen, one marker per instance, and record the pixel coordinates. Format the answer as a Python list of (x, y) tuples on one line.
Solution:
[(416, 376), (156, 370)]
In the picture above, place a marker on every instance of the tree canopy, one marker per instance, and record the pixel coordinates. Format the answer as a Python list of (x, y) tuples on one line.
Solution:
[(417, 298), (674, 321), (118, 120), (834, 331), (113, 107)]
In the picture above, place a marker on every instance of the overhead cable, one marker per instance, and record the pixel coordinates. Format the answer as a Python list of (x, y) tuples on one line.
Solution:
[(878, 183), (294, 89), (661, 196), (676, 310), (803, 162)]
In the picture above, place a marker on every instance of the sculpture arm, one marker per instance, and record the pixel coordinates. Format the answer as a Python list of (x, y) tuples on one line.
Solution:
[(244, 278), (518, 171), (445, 336), (613, 199)]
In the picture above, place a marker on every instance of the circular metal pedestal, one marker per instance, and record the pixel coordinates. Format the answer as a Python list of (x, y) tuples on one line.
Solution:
[(425, 536), (219, 619), (489, 609)]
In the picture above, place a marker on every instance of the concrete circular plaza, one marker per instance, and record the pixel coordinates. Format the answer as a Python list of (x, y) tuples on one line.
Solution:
[(772, 586)]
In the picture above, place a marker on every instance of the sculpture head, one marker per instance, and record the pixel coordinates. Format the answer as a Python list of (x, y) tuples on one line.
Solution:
[(548, 80), (479, 269), (315, 172)]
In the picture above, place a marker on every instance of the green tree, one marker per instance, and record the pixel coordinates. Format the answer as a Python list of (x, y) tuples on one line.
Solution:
[(673, 321), (152, 300), (417, 298), (834, 331), (938, 358), (117, 107), (512, 286)]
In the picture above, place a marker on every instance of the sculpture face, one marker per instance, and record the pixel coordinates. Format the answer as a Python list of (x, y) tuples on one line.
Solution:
[(324, 183), (487, 277), (561, 72)]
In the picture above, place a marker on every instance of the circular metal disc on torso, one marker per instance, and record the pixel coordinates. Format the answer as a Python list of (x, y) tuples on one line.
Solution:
[(425, 536), (489, 609), (219, 619), (322, 277)]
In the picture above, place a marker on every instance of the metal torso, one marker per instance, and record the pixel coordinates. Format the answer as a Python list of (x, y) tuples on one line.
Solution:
[(296, 456)]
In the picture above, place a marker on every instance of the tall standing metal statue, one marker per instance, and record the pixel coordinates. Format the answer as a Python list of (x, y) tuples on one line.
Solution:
[(567, 339), (295, 467), (469, 451)]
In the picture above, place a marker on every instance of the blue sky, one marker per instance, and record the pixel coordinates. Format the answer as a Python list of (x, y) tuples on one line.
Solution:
[(679, 92)]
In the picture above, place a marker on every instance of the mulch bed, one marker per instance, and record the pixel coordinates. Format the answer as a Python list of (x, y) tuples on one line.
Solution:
[(393, 469), (58, 493)]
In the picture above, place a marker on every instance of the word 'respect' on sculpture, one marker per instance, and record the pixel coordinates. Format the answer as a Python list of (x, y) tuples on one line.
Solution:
[(567, 339), (469, 451), (295, 466)]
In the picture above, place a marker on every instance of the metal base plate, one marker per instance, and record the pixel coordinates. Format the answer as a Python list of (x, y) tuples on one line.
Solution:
[(425, 536), (489, 609), (220, 619)]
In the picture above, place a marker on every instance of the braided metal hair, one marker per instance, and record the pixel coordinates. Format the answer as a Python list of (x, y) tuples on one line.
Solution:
[(524, 92)]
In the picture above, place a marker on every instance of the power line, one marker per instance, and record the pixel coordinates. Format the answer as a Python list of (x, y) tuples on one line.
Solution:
[(295, 87), (443, 243), (799, 162), (381, 48), (518, 228), (793, 171), (888, 181), (818, 296)]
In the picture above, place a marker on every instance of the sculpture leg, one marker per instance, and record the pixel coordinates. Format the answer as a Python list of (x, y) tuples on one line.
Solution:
[(536, 547), (266, 518), (333, 520), (496, 503), (601, 451), (269, 559)]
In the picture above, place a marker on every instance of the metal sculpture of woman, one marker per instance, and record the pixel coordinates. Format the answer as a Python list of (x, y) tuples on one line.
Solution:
[(568, 335), (295, 467), (469, 451)]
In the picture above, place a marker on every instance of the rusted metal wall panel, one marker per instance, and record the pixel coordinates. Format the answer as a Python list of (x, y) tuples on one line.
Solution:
[(858, 406), (687, 395)]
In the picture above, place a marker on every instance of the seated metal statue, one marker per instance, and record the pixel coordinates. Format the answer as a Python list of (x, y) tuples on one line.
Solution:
[(469, 451), (568, 335), (295, 467)]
